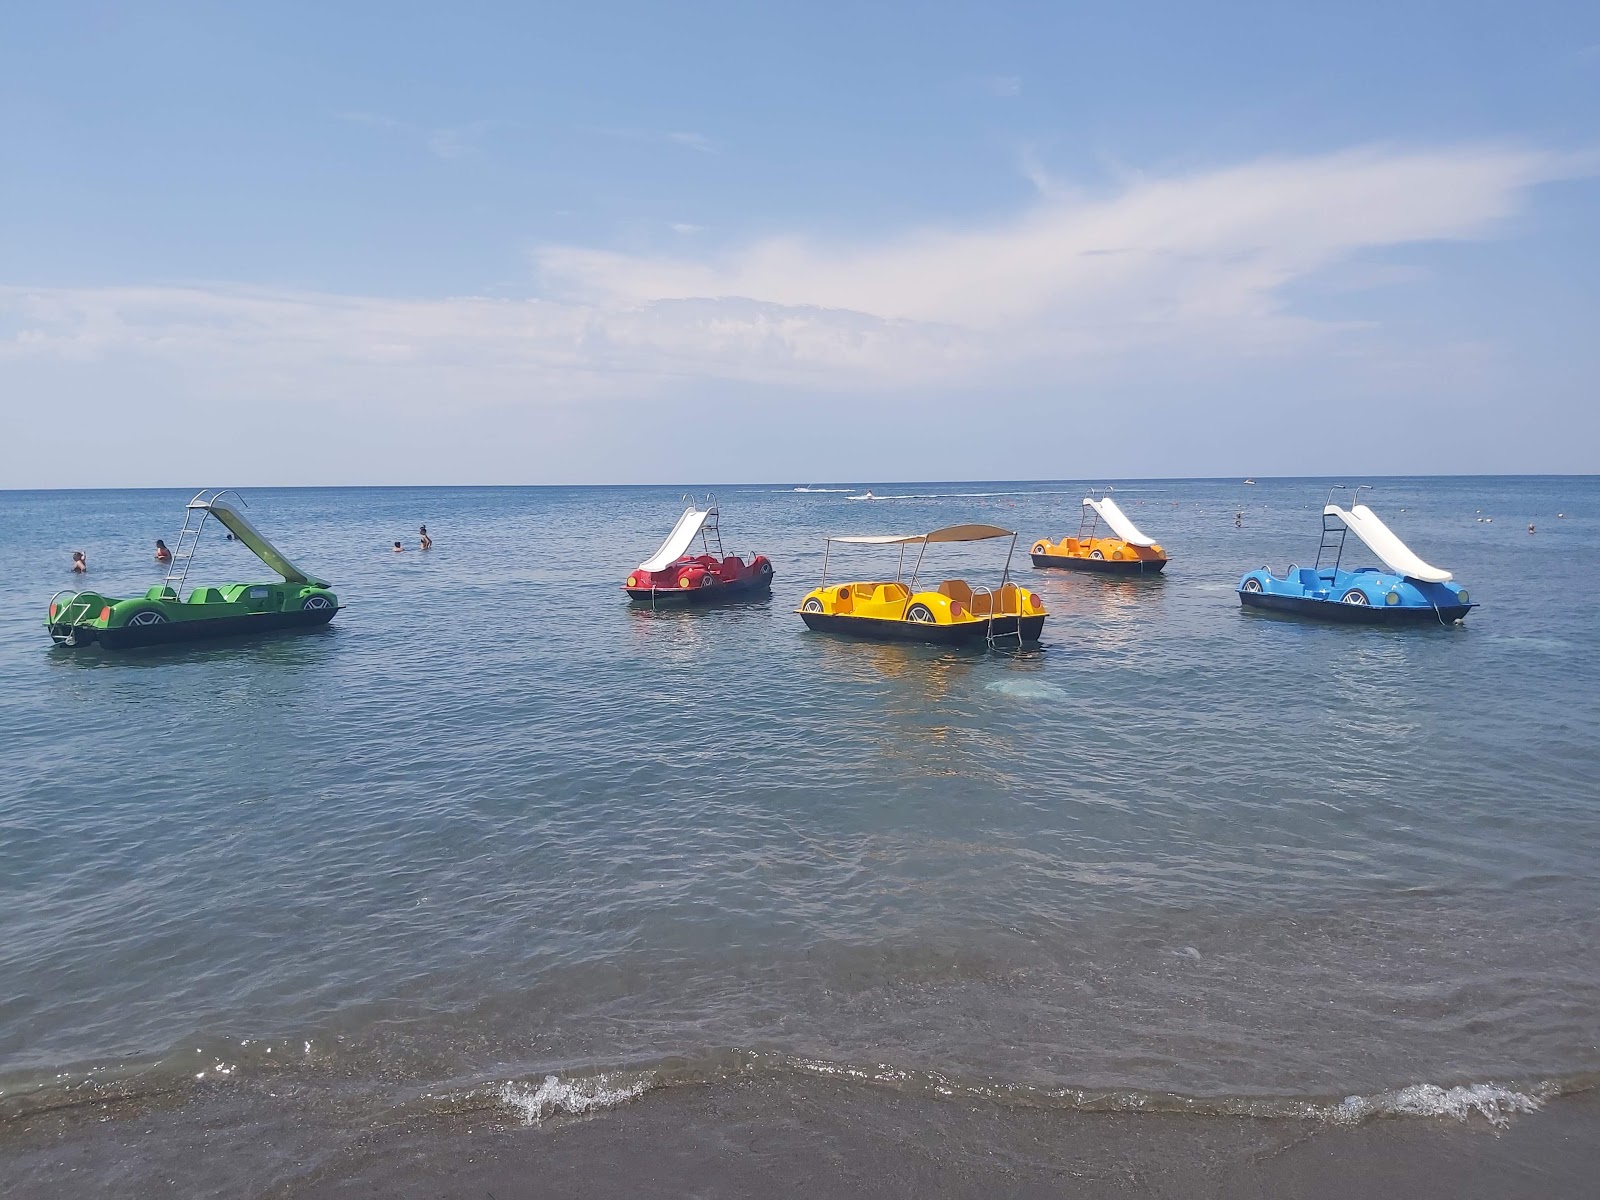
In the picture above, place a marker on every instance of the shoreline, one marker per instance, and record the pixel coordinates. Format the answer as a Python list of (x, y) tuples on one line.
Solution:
[(793, 1137)]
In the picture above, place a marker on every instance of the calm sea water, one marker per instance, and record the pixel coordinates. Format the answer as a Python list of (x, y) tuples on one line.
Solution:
[(494, 842)]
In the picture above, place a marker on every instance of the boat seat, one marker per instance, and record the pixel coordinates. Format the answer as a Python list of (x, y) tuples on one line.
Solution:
[(207, 595), (892, 593), (957, 590)]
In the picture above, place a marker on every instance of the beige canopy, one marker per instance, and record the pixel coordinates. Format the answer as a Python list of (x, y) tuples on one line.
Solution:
[(950, 533)]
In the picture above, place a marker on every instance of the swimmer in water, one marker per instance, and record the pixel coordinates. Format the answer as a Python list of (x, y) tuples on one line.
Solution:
[(398, 548), (163, 555), (427, 542), (80, 564)]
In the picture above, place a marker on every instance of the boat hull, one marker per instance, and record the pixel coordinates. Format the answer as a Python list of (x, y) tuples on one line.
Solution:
[(1101, 566), (1355, 614), (958, 634), (753, 588), (166, 633)]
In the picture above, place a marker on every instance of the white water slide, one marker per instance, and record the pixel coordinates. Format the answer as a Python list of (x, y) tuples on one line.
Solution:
[(1383, 542), (678, 541), (238, 525), (1118, 521)]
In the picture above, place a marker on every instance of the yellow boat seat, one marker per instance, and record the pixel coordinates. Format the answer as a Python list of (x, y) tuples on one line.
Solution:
[(958, 591)]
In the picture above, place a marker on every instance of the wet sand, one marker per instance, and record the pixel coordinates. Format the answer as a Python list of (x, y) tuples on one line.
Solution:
[(818, 1138)]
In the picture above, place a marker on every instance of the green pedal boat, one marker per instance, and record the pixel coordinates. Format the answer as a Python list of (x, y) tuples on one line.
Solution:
[(164, 614)]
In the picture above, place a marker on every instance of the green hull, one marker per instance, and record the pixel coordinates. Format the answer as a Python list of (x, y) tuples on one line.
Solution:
[(158, 618), (131, 637)]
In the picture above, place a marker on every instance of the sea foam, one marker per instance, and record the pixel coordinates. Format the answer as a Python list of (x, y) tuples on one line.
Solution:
[(1026, 689), (1491, 1101), (573, 1097)]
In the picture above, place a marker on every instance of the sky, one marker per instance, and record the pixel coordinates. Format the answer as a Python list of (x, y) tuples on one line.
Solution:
[(396, 243)]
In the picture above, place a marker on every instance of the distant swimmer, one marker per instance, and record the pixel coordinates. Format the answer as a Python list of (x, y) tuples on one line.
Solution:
[(1530, 526), (80, 564), (162, 553), (1238, 519), (398, 548), (427, 542)]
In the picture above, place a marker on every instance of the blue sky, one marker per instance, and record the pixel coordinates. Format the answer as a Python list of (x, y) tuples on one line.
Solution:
[(398, 243)]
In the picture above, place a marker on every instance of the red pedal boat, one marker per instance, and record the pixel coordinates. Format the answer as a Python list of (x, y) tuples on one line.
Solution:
[(673, 575)]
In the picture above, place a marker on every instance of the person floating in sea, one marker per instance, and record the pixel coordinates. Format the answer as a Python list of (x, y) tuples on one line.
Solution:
[(1238, 519), (427, 542), (163, 555), (1530, 526), (80, 564), (398, 548)]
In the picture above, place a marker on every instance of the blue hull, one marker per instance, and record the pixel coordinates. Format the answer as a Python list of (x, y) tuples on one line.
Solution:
[(1356, 614)]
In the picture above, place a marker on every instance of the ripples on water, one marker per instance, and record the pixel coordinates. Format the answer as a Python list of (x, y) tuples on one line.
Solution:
[(493, 824)]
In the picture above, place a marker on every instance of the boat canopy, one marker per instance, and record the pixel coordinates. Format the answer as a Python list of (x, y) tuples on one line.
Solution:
[(679, 540), (254, 540), (1383, 542), (950, 533), (1113, 516)]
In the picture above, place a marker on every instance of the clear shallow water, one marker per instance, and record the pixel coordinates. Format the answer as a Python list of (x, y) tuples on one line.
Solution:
[(494, 825)]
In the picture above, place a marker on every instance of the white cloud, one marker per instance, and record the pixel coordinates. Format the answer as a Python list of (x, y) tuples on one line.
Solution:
[(444, 142), (689, 140), (695, 141), (1197, 264)]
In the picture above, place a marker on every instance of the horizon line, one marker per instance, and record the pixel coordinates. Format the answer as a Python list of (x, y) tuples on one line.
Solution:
[(860, 482)]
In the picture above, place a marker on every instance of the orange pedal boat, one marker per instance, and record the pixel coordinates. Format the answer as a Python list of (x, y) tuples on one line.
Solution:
[(1126, 552)]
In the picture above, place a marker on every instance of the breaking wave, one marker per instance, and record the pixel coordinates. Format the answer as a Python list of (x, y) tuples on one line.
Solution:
[(542, 1096), (555, 1096)]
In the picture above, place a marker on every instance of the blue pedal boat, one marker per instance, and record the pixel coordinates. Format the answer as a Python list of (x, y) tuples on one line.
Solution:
[(1408, 592)]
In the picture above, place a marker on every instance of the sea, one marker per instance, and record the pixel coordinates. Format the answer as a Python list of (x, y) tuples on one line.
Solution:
[(500, 873)]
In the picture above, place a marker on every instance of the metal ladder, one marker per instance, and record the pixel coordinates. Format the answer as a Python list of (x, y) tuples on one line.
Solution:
[(1332, 535), (63, 626), (1087, 516), (712, 526), (990, 637), (183, 552)]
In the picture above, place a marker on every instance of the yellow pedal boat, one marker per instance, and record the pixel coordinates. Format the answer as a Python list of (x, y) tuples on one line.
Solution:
[(1128, 552), (952, 613)]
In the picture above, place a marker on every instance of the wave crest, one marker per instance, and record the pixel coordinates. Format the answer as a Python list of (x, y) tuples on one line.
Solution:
[(555, 1096), (1492, 1101)]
